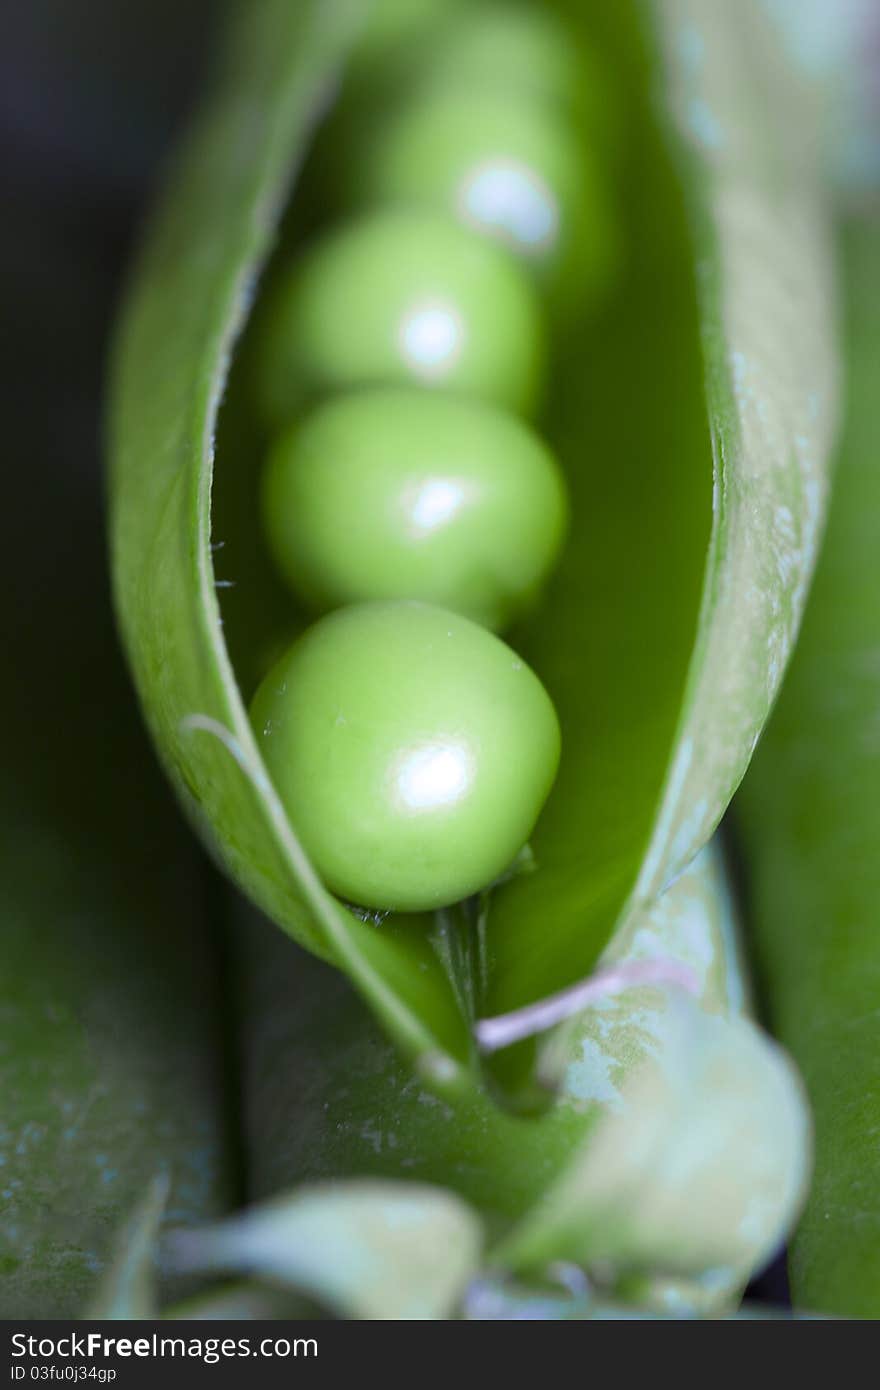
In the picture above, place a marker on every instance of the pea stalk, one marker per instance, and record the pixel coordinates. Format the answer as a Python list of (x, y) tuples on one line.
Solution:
[(593, 1181), (325, 1094), (809, 815)]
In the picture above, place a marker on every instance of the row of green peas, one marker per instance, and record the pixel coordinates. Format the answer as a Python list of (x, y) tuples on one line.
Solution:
[(405, 496)]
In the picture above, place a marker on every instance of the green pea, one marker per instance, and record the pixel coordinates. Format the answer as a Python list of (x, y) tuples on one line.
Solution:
[(397, 297), (412, 749), (400, 493), (510, 169), (496, 163), (520, 47)]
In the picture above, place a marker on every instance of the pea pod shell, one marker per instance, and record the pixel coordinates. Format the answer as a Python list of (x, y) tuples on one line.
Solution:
[(809, 815), (645, 779)]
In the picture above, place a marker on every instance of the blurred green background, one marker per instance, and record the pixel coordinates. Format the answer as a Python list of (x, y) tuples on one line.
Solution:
[(103, 1033)]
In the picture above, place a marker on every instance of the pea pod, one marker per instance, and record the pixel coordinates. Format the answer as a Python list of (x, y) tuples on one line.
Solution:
[(809, 815), (662, 662), (327, 1095), (661, 1100)]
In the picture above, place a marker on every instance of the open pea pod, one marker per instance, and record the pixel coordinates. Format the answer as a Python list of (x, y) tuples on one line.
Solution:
[(809, 815), (692, 416)]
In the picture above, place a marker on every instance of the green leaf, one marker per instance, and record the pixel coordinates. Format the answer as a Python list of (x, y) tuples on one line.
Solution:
[(699, 1171), (368, 1250), (809, 813), (687, 938), (128, 1287), (662, 663)]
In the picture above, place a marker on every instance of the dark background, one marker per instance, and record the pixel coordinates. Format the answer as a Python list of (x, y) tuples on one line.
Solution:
[(91, 95), (91, 92)]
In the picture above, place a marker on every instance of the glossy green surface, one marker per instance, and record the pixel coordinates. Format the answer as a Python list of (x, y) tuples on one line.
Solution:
[(395, 297), (411, 749), (398, 493), (809, 814), (511, 169)]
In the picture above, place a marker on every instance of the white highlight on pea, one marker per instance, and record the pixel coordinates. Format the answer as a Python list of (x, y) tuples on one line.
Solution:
[(433, 503), (431, 338), (435, 775), (510, 198)]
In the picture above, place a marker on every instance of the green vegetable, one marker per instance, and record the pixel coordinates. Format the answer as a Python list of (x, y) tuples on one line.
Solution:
[(665, 630), (399, 297), (326, 1094), (512, 47), (603, 1177), (512, 169), (699, 1171), (411, 749), (809, 813), (396, 493)]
